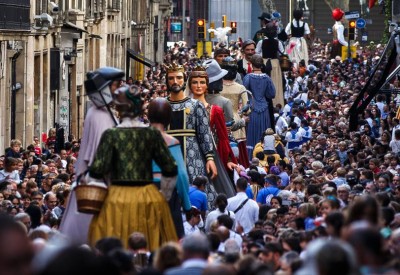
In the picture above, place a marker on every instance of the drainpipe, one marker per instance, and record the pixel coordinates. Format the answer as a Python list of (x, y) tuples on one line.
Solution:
[(14, 92)]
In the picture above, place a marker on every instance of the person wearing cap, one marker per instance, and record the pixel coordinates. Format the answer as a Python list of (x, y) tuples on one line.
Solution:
[(99, 86), (124, 155), (263, 91), (270, 190), (338, 33), (248, 50), (237, 94), (265, 18), (297, 30), (208, 78), (189, 127), (215, 86)]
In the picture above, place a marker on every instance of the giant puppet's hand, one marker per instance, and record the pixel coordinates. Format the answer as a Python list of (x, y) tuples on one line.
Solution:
[(211, 169)]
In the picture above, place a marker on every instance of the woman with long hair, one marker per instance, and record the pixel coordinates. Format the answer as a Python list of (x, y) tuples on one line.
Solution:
[(199, 85)]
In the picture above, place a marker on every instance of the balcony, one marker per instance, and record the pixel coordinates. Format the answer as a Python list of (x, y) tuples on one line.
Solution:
[(14, 15)]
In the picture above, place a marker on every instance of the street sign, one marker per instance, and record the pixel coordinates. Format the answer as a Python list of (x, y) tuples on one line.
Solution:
[(351, 15), (360, 23)]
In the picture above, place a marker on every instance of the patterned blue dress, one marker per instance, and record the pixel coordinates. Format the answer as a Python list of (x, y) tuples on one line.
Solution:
[(190, 125), (262, 88)]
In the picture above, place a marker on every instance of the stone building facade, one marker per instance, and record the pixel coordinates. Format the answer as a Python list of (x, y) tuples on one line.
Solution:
[(46, 48)]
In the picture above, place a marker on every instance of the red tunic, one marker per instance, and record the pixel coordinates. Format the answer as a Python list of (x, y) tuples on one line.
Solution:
[(217, 124)]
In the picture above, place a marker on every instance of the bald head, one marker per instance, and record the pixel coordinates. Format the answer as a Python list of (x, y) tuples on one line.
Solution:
[(223, 233)]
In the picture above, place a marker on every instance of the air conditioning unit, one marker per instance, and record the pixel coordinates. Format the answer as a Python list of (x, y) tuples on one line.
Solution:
[(42, 22)]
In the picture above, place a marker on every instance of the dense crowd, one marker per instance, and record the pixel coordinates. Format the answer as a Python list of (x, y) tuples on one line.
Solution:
[(326, 202)]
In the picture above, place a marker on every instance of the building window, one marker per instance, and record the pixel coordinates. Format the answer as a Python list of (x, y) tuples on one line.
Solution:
[(116, 4), (41, 6), (15, 16)]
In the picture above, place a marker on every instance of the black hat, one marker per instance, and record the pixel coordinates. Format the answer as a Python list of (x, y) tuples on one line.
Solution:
[(102, 77), (265, 16)]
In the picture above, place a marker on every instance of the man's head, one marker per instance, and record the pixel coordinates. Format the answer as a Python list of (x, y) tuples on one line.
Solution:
[(241, 184), (137, 241), (343, 192), (248, 49), (50, 200), (175, 78), (271, 254), (220, 54), (200, 182), (46, 184), (25, 219), (196, 246)]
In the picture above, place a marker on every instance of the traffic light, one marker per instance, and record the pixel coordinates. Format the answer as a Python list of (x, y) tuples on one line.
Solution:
[(233, 27), (201, 28), (212, 26), (223, 21), (352, 30)]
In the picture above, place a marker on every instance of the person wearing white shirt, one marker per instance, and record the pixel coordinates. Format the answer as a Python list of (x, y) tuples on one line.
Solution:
[(293, 137), (247, 215), (297, 30), (396, 126), (221, 202), (395, 143), (305, 130), (193, 218), (256, 162), (281, 124)]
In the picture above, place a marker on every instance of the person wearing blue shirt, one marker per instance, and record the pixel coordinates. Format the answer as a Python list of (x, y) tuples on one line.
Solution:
[(249, 192), (270, 190), (197, 195), (285, 179)]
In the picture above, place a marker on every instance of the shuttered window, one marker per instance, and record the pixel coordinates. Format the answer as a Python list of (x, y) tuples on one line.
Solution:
[(14, 15)]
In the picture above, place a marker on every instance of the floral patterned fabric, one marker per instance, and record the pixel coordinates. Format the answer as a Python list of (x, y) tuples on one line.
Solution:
[(126, 154), (190, 114)]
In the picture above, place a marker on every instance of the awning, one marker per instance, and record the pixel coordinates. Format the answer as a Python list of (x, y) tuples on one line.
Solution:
[(73, 26), (95, 36), (140, 58)]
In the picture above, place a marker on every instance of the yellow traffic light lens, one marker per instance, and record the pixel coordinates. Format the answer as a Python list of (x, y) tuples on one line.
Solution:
[(352, 24), (200, 23)]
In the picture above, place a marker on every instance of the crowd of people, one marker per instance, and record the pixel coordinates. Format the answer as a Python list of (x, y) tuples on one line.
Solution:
[(270, 178)]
